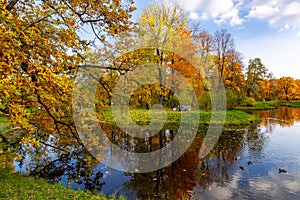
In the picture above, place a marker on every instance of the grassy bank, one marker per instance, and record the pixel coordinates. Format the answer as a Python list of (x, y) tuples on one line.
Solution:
[(295, 104), (142, 117), (260, 105), (269, 105), (16, 186)]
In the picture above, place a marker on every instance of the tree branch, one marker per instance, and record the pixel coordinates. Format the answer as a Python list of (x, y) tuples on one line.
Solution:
[(11, 5), (102, 67)]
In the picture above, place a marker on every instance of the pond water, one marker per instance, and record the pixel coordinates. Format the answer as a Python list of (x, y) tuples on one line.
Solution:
[(244, 164)]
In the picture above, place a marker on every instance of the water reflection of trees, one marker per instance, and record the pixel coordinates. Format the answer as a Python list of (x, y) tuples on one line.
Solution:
[(77, 167), (170, 182), (74, 165), (189, 170), (256, 140), (139, 145), (67, 164), (284, 116), (219, 165)]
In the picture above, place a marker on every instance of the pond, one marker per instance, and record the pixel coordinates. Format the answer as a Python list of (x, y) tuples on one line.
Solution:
[(244, 164)]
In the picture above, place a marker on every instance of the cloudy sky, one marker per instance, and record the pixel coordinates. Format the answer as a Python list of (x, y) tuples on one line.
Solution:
[(269, 29)]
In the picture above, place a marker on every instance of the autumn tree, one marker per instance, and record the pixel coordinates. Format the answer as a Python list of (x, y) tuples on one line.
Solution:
[(227, 58), (116, 57), (255, 72), (161, 37), (264, 89), (298, 91), (287, 88), (267, 87), (235, 79), (159, 27), (41, 48), (204, 44)]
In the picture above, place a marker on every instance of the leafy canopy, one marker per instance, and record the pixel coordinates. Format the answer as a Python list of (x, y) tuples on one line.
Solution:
[(41, 47)]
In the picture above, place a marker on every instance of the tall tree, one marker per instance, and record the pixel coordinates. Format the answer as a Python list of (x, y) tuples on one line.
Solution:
[(255, 72), (204, 44), (41, 45), (234, 78), (224, 46), (159, 26)]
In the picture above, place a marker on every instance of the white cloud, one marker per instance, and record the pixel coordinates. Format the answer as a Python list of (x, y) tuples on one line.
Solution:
[(224, 11), (281, 14), (263, 11), (233, 16), (292, 9), (194, 16)]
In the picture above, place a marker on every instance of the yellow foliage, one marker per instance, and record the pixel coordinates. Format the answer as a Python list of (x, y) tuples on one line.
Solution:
[(39, 54)]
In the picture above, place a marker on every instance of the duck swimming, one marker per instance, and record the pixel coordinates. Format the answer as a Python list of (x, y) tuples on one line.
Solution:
[(281, 170)]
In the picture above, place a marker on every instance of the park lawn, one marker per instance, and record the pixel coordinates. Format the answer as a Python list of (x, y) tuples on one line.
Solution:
[(233, 117), (17, 186)]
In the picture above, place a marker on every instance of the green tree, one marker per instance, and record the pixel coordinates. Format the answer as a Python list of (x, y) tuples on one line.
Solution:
[(255, 72)]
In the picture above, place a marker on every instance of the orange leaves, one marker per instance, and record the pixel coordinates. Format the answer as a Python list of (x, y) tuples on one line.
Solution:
[(265, 89), (287, 88)]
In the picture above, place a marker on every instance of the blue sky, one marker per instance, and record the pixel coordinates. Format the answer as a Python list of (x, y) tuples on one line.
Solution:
[(268, 29)]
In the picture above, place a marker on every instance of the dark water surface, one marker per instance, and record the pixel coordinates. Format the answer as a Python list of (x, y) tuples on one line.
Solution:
[(223, 174)]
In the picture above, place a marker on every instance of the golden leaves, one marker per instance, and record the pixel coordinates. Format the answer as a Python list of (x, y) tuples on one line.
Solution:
[(287, 88), (38, 55), (28, 140)]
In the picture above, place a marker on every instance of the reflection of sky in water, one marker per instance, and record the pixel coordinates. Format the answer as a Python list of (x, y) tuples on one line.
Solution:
[(114, 182), (262, 180), (26, 164)]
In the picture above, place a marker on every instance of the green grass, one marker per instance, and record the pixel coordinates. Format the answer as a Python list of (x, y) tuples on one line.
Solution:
[(16, 186), (240, 118), (295, 104), (142, 117), (261, 105)]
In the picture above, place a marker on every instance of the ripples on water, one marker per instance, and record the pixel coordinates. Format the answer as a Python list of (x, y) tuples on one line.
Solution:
[(274, 144)]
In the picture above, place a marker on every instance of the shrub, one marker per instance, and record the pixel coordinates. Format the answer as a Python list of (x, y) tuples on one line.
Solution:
[(172, 102), (241, 99), (204, 101), (249, 101)]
